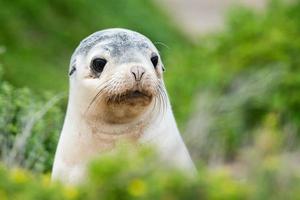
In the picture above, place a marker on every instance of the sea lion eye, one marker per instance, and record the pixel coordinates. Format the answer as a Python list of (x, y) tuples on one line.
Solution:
[(98, 64), (154, 60)]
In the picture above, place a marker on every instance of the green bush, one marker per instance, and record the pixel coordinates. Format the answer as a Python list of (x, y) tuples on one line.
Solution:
[(136, 175), (29, 127), (246, 73)]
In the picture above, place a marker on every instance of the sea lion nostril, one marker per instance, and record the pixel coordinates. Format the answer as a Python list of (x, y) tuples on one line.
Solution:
[(134, 75), (137, 72)]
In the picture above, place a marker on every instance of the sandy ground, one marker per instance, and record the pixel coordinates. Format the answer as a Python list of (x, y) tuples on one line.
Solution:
[(203, 16)]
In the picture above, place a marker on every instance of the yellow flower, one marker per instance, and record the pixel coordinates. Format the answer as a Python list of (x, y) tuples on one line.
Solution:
[(70, 192), (19, 176), (46, 180), (137, 188)]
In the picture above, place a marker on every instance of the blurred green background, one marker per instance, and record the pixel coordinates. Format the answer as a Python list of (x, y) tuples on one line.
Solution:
[(235, 94)]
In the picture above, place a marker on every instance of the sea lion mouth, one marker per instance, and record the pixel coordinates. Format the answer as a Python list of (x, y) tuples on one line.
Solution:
[(131, 97), (136, 94)]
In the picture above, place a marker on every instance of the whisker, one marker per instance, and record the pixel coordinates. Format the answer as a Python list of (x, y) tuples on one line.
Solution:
[(164, 97), (160, 104), (104, 86), (162, 44), (95, 98)]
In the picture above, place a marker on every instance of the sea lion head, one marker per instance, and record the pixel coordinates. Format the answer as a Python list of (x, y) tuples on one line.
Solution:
[(117, 73)]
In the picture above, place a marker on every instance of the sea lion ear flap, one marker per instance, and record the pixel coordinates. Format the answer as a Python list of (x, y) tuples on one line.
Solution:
[(73, 69), (163, 68), (73, 64)]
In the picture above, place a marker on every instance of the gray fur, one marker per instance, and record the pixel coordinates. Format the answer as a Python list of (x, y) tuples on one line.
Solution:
[(117, 41)]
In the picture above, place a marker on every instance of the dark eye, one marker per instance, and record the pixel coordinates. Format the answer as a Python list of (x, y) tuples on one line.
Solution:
[(98, 64), (154, 60)]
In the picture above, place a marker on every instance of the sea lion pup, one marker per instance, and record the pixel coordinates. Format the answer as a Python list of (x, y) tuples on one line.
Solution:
[(116, 92)]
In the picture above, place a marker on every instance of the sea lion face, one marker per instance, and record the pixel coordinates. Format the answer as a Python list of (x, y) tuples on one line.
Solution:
[(120, 72)]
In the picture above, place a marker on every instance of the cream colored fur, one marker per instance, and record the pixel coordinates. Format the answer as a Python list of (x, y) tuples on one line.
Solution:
[(92, 129)]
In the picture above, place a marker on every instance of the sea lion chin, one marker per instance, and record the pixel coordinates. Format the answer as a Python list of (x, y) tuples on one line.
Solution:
[(125, 107)]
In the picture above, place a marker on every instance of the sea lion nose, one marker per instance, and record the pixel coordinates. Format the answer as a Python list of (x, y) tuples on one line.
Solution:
[(137, 72)]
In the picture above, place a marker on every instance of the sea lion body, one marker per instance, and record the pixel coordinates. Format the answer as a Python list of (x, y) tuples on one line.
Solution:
[(116, 92)]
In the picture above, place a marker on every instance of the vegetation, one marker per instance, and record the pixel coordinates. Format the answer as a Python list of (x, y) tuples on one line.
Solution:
[(124, 176), (254, 67), (39, 37), (245, 121), (29, 127)]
